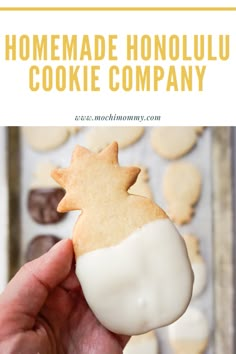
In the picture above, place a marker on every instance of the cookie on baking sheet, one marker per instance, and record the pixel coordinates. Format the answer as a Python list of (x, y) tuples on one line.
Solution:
[(122, 244), (144, 344), (199, 130), (182, 188), (39, 245), (190, 333), (174, 142), (47, 138), (42, 176), (99, 137), (44, 196), (141, 186), (198, 264)]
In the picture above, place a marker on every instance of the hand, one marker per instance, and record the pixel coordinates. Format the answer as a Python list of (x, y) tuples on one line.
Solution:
[(43, 311)]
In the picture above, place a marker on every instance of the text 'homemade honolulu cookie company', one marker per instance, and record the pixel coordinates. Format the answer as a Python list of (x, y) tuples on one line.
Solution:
[(134, 63)]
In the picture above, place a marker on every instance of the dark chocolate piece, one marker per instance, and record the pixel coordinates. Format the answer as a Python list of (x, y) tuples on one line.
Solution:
[(42, 204), (39, 245)]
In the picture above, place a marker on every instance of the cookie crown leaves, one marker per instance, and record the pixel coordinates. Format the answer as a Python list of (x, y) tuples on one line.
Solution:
[(93, 175)]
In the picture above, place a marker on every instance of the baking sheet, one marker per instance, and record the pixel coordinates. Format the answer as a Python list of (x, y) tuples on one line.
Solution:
[(3, 210), (138, 153), (224, 241)]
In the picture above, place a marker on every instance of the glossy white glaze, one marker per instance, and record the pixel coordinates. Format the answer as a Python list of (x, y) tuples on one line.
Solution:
[(145, 282)]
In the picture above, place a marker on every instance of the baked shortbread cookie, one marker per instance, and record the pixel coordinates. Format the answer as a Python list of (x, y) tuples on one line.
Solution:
[(128, 253), (190, 333), (99, 137), (174, 142), (141, 186), (199, 130), (144, 344), (47, 138), (198, 264), (182, 188), (42, 176)]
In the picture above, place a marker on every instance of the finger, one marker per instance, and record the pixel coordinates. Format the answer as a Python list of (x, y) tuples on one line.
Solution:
[(123, 340), (61, 301), (28, 290), (71, 283)]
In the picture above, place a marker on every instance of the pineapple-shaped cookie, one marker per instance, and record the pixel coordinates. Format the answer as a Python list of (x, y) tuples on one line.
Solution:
[(130, 260)]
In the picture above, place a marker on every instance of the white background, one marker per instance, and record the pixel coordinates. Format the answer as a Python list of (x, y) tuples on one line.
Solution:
[(100, 3), (214, 106)]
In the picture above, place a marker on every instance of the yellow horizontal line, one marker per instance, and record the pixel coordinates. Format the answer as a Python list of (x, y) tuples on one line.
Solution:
[(117, 8)]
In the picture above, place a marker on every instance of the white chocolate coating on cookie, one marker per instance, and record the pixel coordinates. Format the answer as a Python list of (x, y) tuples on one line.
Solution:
[(144, 282), (144, 344), (200, 278), (192, 325)]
